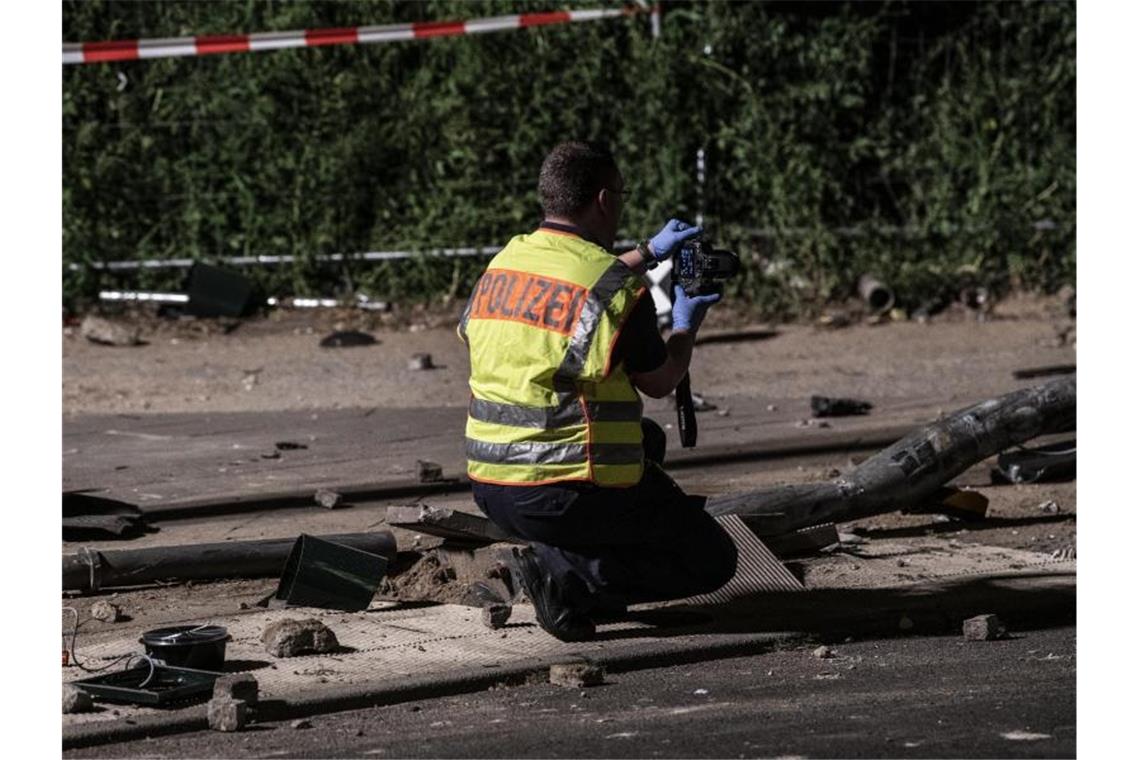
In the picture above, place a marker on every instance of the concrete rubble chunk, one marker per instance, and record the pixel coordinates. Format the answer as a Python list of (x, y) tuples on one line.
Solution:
[(241, 686), (983, 628), (495, 616), (226, 714), (290, 637), (428, 472), (328, 499), (75, 700), (823, 653), (108, 333), (578, 674), (106, 611)]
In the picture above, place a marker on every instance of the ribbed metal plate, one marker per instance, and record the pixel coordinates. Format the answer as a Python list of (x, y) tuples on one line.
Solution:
[(757, 568)]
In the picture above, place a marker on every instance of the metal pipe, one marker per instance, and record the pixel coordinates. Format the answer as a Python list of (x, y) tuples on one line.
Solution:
[(912, 469), (877, 295), (90, 570)]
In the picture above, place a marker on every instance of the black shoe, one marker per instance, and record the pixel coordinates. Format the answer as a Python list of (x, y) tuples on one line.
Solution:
[(550, 608)]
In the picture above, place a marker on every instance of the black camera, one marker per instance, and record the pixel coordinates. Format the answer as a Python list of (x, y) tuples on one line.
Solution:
[(701, 269)]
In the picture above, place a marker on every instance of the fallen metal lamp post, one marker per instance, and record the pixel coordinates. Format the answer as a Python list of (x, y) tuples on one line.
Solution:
[(913, 469), (91, 570)]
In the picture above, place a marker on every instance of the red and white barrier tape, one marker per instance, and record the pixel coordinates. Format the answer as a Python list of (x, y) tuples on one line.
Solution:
[(129, 50)]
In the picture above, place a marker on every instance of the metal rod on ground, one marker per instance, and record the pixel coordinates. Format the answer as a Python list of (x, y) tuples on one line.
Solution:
[(91, 570), (912, 469)]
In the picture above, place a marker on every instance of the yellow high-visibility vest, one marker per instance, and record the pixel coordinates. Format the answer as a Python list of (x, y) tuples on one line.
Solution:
[(546, 404)]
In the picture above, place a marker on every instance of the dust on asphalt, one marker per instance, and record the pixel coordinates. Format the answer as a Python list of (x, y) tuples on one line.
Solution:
[(905, 697)]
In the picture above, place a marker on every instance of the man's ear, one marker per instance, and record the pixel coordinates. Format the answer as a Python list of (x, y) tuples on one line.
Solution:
[(602, 198)]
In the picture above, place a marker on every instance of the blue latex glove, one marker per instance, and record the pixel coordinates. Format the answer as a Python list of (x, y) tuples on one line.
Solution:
[(675, 232), (689, 311)]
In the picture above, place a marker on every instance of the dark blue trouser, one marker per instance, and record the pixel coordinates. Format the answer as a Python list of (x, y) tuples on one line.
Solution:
[(609, 547)]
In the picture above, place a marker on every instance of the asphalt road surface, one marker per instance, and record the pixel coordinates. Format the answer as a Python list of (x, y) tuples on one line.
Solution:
[(904, 697)]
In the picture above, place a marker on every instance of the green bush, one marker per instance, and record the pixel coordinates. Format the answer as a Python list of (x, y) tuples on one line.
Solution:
[(924, 142)]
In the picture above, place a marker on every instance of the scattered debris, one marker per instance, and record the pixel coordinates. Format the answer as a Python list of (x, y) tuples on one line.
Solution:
[(290, 638), (429, 472), (803, 541), (347, 339), (301, 724), (227, 714), (495, 616), (108, 333), (834, 320), (420, 362), (1049, 507), (1049, 371), (1052, 463), (289, 446), (577, 675), (328, 499), (983, 628), (1024, 736), (216, 292), (106, 611), (76, 700), (823, 653), (241, 686), (446, 523), (723, 412), (772, 408), (700, 692), (1069, 552), (250, 378), (825, 406), (957, 503)]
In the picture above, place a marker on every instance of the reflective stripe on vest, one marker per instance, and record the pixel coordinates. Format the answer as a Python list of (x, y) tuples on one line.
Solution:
[(534, 452), (567, 412)]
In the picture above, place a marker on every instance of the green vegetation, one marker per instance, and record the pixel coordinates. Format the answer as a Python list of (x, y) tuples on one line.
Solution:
[(925, 142)]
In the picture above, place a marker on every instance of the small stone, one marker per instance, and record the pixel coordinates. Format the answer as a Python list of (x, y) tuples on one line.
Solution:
[(225, 714), (108, 333), (983, 628), (576, 675), (420, 362), (772, 408), (823, 653), (289, 638), (700, 692), (107, 612), (328, 499), (241, 686), (428, 472), (1049, 507), (495, 616), (75, 700), (301, 724)]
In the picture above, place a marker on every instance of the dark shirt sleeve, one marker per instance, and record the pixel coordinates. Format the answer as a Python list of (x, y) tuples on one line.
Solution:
[(640, 347)]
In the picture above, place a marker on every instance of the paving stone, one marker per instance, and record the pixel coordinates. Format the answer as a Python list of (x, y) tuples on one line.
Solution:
[(495, 616), (241, 686), (76, 700), (983, 628), (225, 714)]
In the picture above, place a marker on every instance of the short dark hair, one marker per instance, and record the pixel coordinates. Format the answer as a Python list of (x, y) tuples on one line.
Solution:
[(572, 173)]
